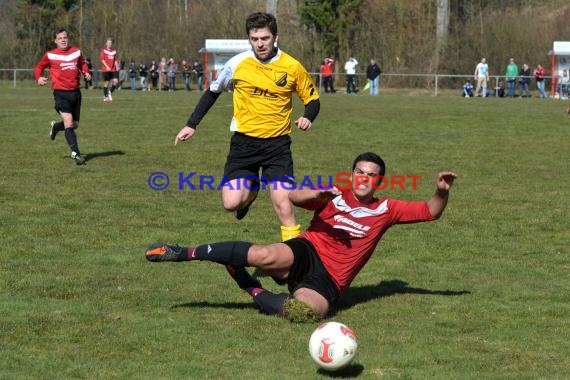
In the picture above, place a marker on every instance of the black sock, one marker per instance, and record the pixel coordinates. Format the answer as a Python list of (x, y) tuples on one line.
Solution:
[(71, 139), (229, 252), (105, 91), (59, 126), (113, 88), (270, 303)]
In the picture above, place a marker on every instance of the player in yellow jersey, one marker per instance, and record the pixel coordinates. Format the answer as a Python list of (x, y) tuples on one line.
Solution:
[(264, 80)]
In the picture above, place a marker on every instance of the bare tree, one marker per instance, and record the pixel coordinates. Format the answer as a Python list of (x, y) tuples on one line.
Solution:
[(441, 29)]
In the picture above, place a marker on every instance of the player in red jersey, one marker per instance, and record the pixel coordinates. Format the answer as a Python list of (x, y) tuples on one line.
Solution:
[(319, 265), (66, 64), (110, 69)]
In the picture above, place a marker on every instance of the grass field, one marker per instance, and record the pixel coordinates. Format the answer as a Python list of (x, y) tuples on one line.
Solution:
[(482, 293)]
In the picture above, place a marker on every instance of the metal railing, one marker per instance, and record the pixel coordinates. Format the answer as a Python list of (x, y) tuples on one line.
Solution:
[(430, 82)]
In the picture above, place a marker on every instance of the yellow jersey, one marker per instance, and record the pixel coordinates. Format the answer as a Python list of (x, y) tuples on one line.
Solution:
[(263, 92)]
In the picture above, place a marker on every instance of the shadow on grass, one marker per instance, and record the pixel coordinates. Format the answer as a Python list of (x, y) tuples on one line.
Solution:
[(352, 297), (224, 305), (351, 371), (361, 294), (91, 156)]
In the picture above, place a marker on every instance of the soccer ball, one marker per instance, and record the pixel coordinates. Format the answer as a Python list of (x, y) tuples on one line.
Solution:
[(332, 346)]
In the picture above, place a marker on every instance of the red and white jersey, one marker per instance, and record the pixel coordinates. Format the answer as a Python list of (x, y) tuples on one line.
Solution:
[(345, 231), (65, 68), (110, 58)]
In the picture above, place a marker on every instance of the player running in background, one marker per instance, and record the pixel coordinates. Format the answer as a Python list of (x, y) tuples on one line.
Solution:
[(110, 69), (320, 264), (66, 64), (264, 80)]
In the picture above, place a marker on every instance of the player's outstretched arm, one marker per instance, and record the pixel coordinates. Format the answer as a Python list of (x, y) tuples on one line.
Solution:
[(438, 201), (310, 199)]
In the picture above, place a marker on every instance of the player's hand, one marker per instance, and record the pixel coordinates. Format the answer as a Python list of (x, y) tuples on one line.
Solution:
[(184, 134), (330, 193), (42, 81), (445, 180), (303, 123), (87, 76)]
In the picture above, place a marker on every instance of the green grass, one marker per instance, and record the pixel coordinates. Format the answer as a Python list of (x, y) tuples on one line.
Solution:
[(482, 293)]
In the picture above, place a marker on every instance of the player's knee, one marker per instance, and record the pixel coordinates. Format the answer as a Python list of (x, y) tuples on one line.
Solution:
[(233, 200), (299, 311), (230, 204), (314, 300)]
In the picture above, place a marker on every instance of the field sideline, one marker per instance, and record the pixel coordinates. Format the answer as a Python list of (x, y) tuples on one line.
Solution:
[(482, 293)]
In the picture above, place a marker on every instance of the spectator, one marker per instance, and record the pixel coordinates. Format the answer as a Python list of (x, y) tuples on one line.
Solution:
[(511, 76), (539, 73), (524, 80), (482, 76), (143, 73), (198, 71), (373, 75), (326, 71), (350, 70), (500, 89), (186, 74), (487, 92), (162, 73), (122, 74), (89, 82), (468, 89), (153, 70), (171, 68), (564, 82), (133, 75)]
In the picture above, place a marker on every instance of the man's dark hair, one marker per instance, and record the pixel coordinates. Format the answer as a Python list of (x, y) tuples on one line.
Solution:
[(370, 157), (260, 20), (60, 30)]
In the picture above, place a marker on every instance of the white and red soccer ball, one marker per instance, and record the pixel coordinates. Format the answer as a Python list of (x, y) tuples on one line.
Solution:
[(333, 346)]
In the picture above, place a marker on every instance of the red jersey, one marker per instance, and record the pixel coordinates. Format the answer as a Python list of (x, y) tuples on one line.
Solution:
[(110, 58), (345, 231), (539, 73), (326, 70), (65, 68)]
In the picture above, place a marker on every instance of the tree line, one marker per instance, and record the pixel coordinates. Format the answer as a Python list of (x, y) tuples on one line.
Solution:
[(419, 36)]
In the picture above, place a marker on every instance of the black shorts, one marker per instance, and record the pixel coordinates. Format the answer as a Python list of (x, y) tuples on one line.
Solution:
[(308, 271), (68, 102), (108, 75), (250, 154)]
